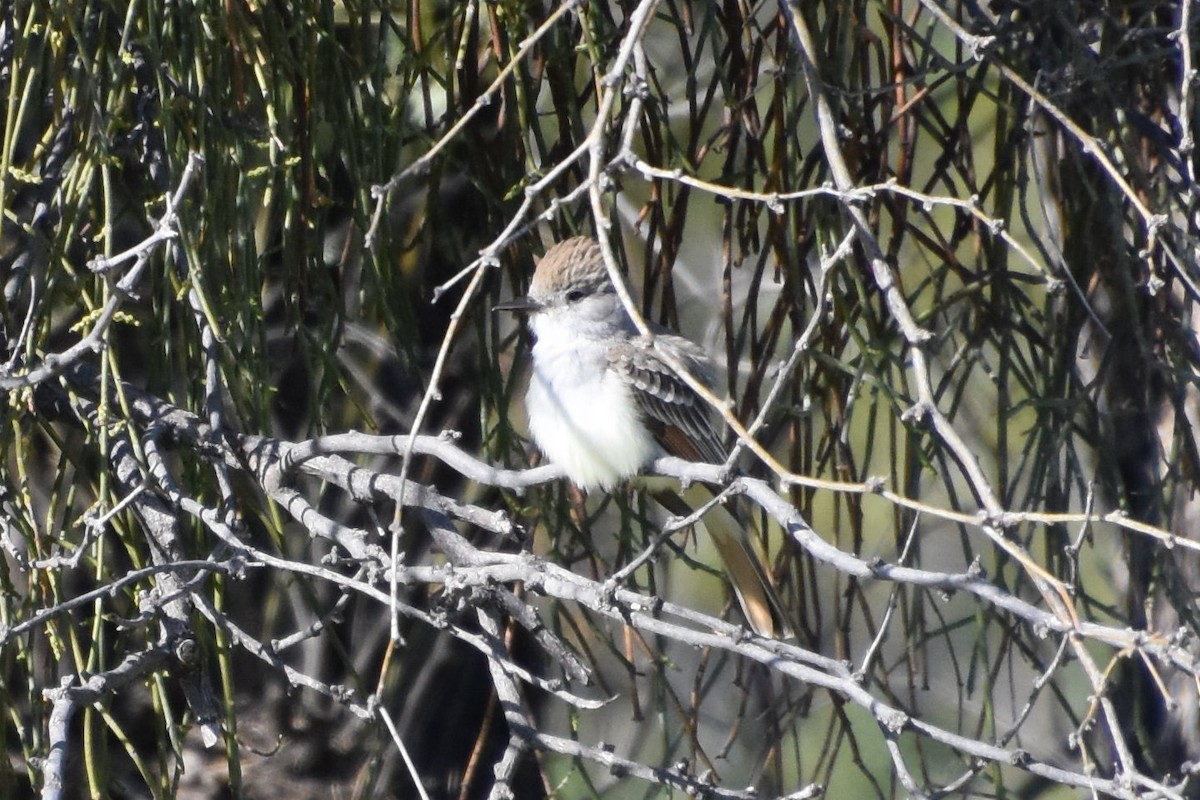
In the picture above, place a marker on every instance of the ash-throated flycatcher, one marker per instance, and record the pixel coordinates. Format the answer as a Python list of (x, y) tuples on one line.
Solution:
[(602, 403)]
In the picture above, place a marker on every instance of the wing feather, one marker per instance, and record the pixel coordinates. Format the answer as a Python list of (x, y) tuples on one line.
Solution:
[(677, 416)]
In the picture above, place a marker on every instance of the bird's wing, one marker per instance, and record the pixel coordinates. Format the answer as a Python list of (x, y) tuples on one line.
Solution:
[(676, 415)]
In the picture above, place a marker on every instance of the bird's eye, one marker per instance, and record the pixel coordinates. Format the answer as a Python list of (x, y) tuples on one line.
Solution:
[(575, 295)]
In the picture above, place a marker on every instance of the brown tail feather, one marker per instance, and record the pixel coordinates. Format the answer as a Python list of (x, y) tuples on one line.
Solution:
[(744, 566)]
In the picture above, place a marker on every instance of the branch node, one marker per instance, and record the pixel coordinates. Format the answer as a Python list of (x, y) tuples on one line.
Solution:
[(637, 87), (895, 722), (980, 45), (915, 414), (187, 652), (976, 570)]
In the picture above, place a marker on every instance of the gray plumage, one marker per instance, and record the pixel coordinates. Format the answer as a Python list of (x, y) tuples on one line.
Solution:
[(670, 405), (603, 402)]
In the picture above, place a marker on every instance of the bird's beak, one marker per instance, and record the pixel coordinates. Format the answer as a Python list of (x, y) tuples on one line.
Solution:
[(525, 305)]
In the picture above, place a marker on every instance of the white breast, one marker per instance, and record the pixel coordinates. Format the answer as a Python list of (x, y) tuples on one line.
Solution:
[(582, 416)]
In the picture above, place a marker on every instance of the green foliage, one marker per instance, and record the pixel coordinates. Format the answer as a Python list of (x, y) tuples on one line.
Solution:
[(976, 264)]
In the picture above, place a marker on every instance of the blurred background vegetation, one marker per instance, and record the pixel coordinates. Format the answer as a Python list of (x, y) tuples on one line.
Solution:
[(1026, 168)]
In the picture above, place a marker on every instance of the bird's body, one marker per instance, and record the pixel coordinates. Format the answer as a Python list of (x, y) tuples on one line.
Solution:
[(603, 401), (585, 411)]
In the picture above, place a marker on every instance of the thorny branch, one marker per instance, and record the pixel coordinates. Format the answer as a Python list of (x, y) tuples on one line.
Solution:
[(471, 573), (165, 230)]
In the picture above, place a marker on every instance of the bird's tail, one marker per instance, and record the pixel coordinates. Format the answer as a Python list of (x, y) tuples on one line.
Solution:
[(742, 558)]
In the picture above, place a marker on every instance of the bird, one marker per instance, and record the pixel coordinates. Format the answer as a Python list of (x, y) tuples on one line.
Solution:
[(602, 402)]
